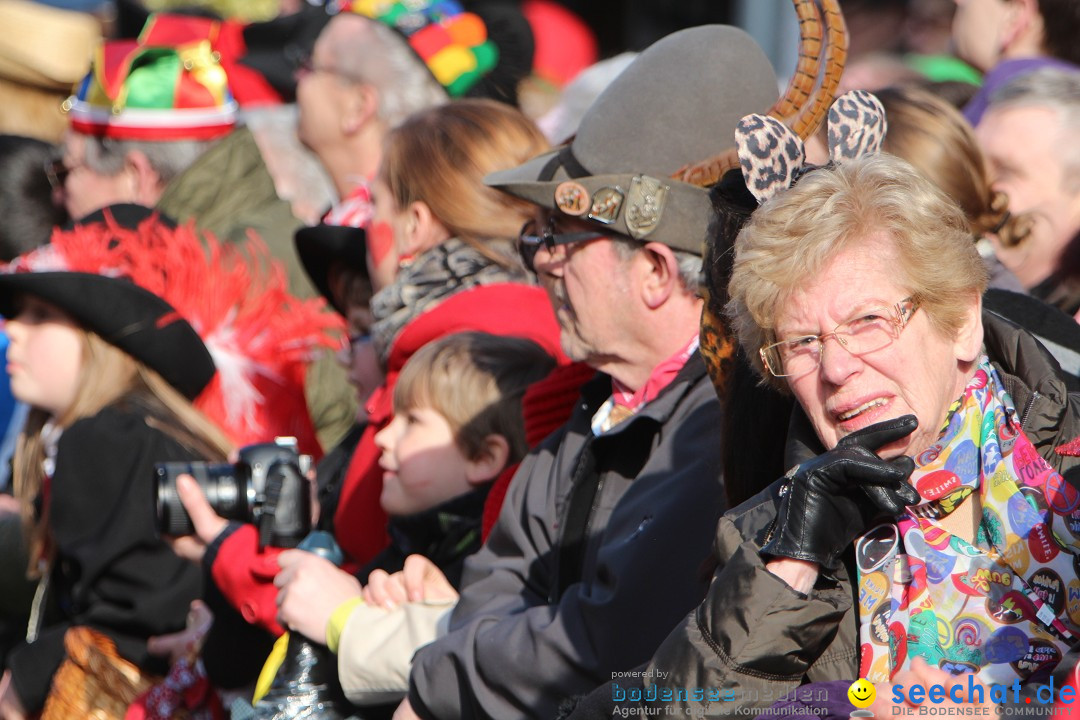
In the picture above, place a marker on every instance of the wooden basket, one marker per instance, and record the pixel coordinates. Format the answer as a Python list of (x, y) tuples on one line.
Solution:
[(94, 682)]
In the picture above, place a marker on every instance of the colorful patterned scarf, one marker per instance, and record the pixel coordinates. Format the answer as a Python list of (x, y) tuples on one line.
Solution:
[(1006, 607)]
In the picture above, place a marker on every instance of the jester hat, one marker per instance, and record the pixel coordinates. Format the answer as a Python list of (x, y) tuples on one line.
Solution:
[(168, 84), (464, 50)]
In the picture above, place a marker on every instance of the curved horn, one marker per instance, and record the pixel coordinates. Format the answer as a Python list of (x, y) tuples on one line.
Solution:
[(836, 45), (804, 79), (823, 40)]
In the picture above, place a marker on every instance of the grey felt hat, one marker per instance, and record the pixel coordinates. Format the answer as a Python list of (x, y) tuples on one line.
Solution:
[(676, 104)]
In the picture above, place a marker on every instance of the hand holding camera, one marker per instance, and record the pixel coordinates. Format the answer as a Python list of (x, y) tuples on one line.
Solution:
[(207, 524), (267, 486)]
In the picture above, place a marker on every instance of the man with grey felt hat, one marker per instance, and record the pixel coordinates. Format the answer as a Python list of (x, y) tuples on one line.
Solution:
[(596, 552)]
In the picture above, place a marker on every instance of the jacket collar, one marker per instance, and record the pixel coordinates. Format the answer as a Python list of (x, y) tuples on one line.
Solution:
[(596, 391), (445, 524)]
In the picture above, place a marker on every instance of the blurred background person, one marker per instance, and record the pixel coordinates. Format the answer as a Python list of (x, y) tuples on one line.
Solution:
[(28, 186), (43, 52), (1007, 38), (934, 137), (1028, 135), (190, 160)]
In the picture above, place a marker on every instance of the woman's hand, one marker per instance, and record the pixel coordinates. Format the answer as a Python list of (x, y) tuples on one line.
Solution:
[(830, 500), (11, 707), (419, 580), (208, 524), (311, 588), (187, 642)]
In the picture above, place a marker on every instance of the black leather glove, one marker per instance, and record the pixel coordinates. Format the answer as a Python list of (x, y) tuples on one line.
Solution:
[(830, 500)]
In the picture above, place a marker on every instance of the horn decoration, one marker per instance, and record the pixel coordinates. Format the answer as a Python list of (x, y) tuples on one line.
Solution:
[(823, 43)]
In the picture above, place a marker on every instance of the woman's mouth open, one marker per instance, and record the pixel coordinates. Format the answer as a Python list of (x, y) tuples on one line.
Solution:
[(865, 407)]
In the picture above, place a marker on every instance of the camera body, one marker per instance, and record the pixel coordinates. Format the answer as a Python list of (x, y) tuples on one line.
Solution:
[(266, 486)]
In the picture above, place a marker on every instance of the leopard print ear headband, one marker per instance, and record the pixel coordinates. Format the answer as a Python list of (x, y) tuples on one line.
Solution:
[(772, 156)]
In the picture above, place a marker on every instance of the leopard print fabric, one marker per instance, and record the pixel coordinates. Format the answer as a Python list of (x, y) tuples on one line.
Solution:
[(857, 126), (770, 154)]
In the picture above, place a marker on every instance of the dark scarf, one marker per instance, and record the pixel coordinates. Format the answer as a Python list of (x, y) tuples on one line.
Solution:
[(445, 534), (438, 273)]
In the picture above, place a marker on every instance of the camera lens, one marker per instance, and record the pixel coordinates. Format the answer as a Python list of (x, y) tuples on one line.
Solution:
[(224, 490)]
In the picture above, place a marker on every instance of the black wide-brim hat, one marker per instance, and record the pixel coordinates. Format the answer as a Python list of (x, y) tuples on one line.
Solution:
[(320, 246), (125, 315), (676, 104)]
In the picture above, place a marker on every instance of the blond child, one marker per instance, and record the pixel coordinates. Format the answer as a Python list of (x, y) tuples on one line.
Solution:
[(457, 425)]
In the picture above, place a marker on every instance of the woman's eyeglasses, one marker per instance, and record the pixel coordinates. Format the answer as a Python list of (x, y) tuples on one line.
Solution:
[(532, 238), (864, 334), (306, 66), (56, 172), (356, 343)]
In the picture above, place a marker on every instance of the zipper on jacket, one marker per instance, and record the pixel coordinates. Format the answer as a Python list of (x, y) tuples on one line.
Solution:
[(592, 511), (1027, 408)]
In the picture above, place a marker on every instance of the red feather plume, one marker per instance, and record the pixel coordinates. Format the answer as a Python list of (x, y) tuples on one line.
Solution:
[(236, 297)]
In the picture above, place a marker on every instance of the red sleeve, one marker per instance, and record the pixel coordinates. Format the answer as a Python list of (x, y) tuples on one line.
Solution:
[(245, 577), (546, 407), (548, 402), (494, 501), (359, 521), (501, 309)]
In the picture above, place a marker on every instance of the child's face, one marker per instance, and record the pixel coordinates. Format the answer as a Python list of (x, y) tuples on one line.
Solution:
[(423, 466), (44, 357)]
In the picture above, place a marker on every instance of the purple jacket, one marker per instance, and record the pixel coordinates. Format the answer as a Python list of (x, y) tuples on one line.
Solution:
[(1001, 74)]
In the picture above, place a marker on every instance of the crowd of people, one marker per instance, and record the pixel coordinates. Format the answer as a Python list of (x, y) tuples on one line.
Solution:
[(400, 360)]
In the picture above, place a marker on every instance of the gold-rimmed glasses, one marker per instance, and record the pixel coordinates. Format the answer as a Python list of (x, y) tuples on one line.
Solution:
[(869, 331)]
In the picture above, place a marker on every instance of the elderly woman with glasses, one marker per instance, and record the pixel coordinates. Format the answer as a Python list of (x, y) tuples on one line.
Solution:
[(931, 513)]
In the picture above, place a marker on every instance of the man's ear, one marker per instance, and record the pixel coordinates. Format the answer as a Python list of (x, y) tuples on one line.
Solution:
[(490, 461), (659, 271), (1022, 25), (969, 337), (145, 182), (360, 106)]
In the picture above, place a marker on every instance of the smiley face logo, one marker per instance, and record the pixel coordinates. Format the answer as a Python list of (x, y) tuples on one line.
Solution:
[(861, 693)]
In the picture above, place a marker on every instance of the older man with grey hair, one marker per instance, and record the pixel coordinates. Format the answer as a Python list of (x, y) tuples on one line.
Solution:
[(361, 80), (1029, 135)]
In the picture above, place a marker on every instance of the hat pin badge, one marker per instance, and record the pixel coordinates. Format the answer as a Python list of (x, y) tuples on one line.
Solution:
[(606, 205), (645, 205), (572, 198)]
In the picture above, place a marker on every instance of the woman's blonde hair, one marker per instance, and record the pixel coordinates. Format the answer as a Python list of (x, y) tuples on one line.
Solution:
[(794, 236), (108, 375), (933, 136), (440, 156)]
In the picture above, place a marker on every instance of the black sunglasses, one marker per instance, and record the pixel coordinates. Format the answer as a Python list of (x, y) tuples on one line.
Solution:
[(531, 239)]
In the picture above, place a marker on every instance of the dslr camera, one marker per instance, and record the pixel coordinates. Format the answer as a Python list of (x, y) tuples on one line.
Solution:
[(267, 486)]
